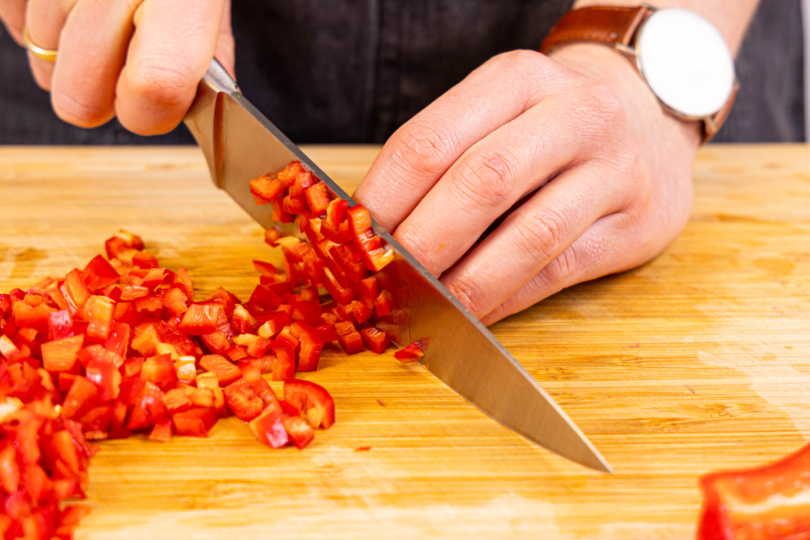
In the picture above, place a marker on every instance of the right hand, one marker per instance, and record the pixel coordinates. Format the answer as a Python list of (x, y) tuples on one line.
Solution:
[(139, 60)]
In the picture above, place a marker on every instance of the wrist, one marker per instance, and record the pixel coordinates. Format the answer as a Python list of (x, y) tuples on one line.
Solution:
[(644, 110)]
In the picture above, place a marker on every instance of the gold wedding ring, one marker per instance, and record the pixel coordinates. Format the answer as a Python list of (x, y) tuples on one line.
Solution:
[(43, 54)]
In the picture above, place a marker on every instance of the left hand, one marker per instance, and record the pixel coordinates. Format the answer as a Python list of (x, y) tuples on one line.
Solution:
[(601, 172)]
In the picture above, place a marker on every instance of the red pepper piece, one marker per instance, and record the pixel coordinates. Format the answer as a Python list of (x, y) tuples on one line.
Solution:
[(175, 300), (80, 398), (318, 198), (200, 319), (375, 340), (264, 298), (368, 289), (284, 348), (242, 321), (226, 371), (242, 400), (266, 188), (195, 422), (295, 204), (265, 268), (268, 429), (149, 408), (159, 370), (348, 336), (313, 400), (311, 346), (61, 354), (303, 181), (290, 173), (99, 273), (60, 324), (236, 352), (119, 338), (259, 347), (326, 332), (272, 235), (413, 352), (216, 342), (360, 312), (279, 214), (341, 295), (32, 317), (106, 377), (298, 430), (383, 304), (226, 298), (162, 432), (745, 504)]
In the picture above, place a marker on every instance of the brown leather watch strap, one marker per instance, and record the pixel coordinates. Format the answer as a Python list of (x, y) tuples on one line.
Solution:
[(611, 25)]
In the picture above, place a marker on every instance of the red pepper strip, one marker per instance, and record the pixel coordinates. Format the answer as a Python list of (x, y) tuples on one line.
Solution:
[(284, 349), (769, 502), (413, 352)]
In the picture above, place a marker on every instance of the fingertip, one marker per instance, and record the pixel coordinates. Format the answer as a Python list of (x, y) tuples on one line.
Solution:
[(79, 113), (153, 101)]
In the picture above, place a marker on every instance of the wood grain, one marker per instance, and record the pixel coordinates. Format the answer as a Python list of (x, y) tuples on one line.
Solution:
[(697, 361)]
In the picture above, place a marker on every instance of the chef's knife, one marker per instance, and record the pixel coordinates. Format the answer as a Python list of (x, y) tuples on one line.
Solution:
[(239, 143)]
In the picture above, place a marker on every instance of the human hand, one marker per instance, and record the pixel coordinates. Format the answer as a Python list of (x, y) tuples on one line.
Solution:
[(613, 172), (140, 60)]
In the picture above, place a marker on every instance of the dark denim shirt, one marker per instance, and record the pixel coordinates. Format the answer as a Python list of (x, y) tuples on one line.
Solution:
[(352, 71)]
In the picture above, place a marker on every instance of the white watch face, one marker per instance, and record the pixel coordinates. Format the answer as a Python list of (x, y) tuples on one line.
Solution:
[(686, 62)]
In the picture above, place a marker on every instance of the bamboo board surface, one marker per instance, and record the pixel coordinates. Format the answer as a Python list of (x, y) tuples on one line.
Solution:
[(695, 362)]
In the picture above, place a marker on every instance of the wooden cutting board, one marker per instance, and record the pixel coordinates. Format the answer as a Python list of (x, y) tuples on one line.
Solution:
[(695, 362)]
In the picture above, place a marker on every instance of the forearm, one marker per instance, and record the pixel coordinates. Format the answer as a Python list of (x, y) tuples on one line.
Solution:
[(730, 16)]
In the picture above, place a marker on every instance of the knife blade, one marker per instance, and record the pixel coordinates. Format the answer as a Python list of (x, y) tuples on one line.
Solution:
[(239, 143)]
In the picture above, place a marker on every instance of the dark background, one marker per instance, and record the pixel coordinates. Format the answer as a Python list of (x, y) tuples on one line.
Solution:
[(352, 71)]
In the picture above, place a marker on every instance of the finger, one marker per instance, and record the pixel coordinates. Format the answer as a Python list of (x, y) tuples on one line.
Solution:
[(610, 246), (92, 48), (422, 150), (497, 172), (12, 12), (171, 49), (45, 19), (533, 235)]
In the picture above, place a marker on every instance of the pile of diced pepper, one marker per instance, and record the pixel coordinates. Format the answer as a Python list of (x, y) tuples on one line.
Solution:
[(121, 346)]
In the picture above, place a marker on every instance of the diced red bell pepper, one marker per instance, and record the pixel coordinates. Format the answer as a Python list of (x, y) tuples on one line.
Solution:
[(383, 304), (60, 324), (313, 400), (290, 173), (33, 317), (118, 340), (769, 502), (200, 319), (75, 291), (226, 298), (236, 352), (375, 340), (242, 321), (149, 408), (146, 341), (225, 371), (177, 400), (266, 188), (311, 346), (326, 332), (298, 430), (268, 429), (80, 398), (265, 268), (122, 241), (348, 336), (8, 349), (272, 235), (216, 342), (175, 300), (99, 273), (259, 347), (195, 422), (162, 431), (242, 400), (106, 377), (413, 352), (61, 354), (318, 198), (341, 295), (279, 214), (159, 370), (264, 298)]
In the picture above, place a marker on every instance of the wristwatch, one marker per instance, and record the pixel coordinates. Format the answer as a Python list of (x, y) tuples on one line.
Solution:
[(682, 56)]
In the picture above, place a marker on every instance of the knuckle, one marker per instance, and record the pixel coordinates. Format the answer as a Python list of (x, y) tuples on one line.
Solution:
[(414, 243), (486, 179), (468, 293), (161, 80), (558, 271), (540, 236), (424, 148)]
